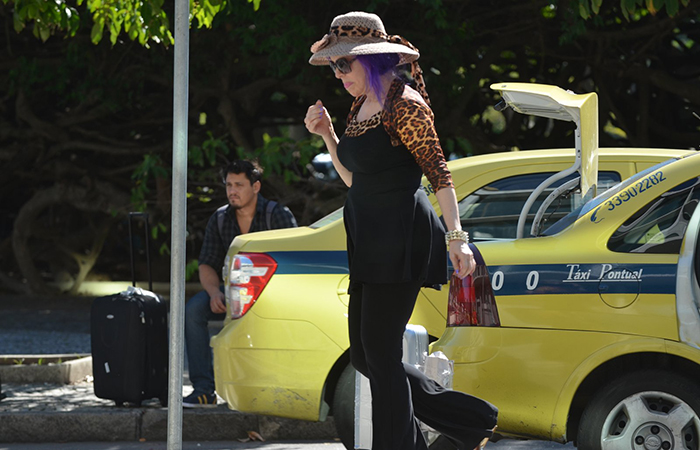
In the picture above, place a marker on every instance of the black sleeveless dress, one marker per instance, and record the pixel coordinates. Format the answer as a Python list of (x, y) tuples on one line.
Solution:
[(393, 232), (394, 235)]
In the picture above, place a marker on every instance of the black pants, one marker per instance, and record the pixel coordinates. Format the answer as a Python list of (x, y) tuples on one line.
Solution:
[(377, 317)]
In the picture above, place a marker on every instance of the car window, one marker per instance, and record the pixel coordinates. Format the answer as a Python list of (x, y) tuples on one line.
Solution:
[(660, 225), (584, 209), (492, 211)]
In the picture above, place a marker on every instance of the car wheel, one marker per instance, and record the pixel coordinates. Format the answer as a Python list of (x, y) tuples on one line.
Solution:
[(646, 410), (344, 407)]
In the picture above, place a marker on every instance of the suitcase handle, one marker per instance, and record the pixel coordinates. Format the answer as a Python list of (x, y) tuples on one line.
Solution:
[(144, 216)]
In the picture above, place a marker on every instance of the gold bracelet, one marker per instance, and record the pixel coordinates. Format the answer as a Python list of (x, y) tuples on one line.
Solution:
[(456, 235)]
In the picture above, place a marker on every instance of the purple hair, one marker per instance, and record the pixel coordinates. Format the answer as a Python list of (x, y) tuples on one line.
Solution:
[(375, 66)]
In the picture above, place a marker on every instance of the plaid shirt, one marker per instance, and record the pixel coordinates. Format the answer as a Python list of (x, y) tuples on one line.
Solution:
[(215, 245)]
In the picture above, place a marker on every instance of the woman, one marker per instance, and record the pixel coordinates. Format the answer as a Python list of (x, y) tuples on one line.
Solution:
[(396, 243)]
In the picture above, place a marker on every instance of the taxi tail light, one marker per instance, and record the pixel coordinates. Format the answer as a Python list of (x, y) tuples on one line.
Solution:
[(249, 274), (471, 301)]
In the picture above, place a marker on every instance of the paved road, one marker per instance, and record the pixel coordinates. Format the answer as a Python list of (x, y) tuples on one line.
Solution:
[(505, 444), (38, 326), (45, 326), (185, 446)]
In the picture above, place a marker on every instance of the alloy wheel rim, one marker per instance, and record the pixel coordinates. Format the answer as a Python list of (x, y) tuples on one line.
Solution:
[(651, 420)]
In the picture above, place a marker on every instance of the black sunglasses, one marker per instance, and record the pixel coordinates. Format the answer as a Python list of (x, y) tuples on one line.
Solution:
[(342, 65)]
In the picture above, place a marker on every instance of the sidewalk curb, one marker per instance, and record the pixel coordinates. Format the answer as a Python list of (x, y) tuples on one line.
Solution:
[(70, 426), (67, 372), (151, 425)]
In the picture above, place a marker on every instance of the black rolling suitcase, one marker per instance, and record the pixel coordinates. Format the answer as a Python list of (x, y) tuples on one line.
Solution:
[(129, 338)]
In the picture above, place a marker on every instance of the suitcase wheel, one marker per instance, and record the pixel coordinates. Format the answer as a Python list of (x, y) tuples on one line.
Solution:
[(122, 403)]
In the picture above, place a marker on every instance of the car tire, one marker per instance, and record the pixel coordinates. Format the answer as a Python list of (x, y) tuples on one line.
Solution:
[(344, 407), (649, 409)]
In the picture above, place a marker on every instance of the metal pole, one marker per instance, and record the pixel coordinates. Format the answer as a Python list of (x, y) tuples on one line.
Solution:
[(178, 222)]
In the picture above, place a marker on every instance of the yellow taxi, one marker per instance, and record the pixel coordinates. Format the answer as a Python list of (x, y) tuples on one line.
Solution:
[(588, 329), (591, 331), (283, 350)]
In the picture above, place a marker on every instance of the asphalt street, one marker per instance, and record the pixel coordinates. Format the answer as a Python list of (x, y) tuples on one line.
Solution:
[(211, 445), (42, 326), (504, 444), (55, 326)]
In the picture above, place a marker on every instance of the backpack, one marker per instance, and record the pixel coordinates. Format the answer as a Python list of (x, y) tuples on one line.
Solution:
[(221, 212)]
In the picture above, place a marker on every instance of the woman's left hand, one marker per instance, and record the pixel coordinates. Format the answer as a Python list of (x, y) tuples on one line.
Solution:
[(462, 258)]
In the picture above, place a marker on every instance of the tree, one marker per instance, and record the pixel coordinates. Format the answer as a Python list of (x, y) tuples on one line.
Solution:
[(146, 22), (79, 116)]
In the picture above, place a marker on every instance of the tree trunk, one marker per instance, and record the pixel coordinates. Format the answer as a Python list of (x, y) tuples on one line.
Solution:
[(95, 199)]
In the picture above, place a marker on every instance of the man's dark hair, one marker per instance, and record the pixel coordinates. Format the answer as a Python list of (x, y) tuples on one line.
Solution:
[(251, 170)]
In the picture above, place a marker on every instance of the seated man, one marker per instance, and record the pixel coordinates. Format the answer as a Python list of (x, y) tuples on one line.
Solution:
[(246, 211)]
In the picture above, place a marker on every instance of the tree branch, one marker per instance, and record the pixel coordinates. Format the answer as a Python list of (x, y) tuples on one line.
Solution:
[(653, 28), (668, 83), (97, 196), (45, 129), (228, 113), (125, 150)]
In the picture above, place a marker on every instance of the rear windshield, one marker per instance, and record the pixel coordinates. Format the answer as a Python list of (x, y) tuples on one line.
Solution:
[(327, 220), (566, 221)]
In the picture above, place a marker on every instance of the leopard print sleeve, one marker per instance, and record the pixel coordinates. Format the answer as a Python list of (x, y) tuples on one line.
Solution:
[(411, 122)]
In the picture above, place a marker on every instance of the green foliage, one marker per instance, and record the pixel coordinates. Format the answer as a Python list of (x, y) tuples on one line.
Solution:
[(108, 105), (496, 119), (47, 16), (575, 20), (458, 147), (275, 34), (159, 227), (151, 167), (437, 13), (141, 21), (631, 9), (283, 156), (595, 5), (549, 11), (191, 268), (208, 151), (208, 157)]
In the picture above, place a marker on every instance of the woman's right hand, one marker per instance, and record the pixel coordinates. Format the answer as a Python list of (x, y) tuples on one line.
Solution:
[(318, 121)]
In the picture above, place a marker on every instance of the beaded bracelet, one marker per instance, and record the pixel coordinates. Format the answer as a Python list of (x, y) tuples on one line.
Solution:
[(456, 235)]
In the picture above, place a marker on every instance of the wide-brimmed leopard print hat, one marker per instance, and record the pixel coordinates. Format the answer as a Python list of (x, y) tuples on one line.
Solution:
[(361, 33)]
